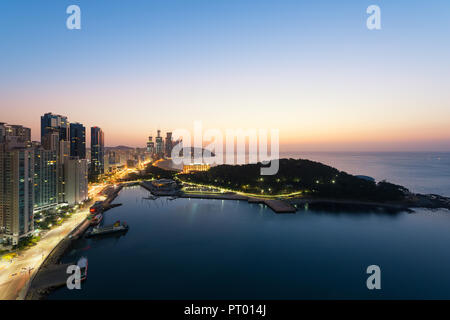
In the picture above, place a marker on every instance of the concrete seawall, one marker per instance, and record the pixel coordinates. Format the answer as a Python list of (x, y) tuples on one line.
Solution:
[(38, 289), (278, 206)]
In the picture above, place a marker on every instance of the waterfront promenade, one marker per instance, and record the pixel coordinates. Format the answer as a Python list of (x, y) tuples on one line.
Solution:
[(15, 275), (50, 273), (278, 206)]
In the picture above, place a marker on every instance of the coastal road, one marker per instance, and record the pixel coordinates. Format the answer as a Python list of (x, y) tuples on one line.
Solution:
[(15, 275)]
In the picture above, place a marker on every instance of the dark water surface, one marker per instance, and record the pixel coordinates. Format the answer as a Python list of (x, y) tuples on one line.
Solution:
[(213, 249)]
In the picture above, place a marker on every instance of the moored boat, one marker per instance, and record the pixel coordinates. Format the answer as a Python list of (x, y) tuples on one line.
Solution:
[(150, 198), (96, 219), (115, 228), (83, 265)]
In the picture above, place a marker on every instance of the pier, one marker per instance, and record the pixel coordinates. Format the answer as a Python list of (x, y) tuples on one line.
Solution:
[(111, 193), (160, 192), (51, 277), (278, 206)]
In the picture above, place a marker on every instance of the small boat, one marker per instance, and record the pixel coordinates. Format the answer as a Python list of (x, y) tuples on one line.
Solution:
[(96, 219), (96, 208), (83, 264), (115, 228), (150, 198), (172, 198)]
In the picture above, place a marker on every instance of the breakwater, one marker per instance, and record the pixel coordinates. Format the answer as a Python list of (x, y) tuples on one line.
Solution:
[(278, 206)]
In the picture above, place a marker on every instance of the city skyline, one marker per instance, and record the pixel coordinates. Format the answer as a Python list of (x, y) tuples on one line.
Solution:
[(312, 70), (207, 151)]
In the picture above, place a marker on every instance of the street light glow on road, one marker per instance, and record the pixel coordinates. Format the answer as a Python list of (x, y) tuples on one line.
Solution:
[(13, 279)]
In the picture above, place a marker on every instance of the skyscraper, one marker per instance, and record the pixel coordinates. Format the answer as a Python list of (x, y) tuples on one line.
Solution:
[(76, 173), (17, 132), (16, 184), (45, 178), (97, 152), (3, 128), (159, 145), (168, 144), (150, 146), (55, 136), (77, 140), (50, 141), (50, 122)]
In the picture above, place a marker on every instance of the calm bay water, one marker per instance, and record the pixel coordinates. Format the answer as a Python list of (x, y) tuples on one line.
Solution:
[(213, 249)]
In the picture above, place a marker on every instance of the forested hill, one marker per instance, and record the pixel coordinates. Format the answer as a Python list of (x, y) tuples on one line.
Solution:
[(313, 178)]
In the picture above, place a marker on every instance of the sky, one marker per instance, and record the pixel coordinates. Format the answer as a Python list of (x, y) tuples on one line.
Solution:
[(311, 69)]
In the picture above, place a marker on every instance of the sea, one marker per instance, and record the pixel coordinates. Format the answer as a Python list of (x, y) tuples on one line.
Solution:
[(223, 249)]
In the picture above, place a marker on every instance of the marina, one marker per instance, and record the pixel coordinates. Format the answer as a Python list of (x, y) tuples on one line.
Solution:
[(275, 256)]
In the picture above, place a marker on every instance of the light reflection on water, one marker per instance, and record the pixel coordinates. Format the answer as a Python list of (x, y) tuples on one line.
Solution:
[(212, 249)]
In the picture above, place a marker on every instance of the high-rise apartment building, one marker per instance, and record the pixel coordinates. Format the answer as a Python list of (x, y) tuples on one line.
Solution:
[(18, 132), (77, 140), (97, 152), (150, 146), (168, 144), (159, 145), (63, 155), (76, 174), (51, 122), (50, 141), (55, 136), (16, 184), (45, 178)]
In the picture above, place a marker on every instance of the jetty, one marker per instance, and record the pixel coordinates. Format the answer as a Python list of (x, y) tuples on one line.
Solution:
[(111, 193), (52, 276), (278, 206), (162, 187)]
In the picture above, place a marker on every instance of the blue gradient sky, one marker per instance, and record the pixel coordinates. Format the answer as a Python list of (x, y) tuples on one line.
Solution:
[(311, 69)]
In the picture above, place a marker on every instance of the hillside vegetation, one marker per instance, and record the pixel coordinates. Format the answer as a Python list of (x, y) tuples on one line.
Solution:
[(312, 178)]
